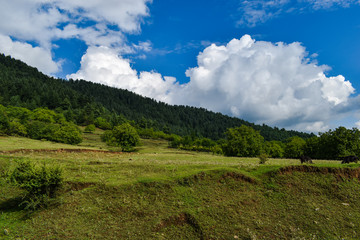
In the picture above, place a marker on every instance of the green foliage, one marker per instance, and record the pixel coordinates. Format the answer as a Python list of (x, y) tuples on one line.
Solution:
[(90, 128), (67, 133), (39, 130), (217, 149), (45, 115), (4, 121), (102, 123), (312, 148), (16, 128), (339, 143), (294, 148), (124, 136), (107, 136), (274, 149), (38, 124), (40, 183), (263, 158), (175, 142), (243, 141)]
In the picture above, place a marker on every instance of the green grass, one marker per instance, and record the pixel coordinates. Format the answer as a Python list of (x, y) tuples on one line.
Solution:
[(163, 193)]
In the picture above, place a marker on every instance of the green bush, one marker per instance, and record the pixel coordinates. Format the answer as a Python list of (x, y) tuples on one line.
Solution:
[(102, 123), (263, 158), (124, 136), (67, 133), (90, 128), (40, 183)]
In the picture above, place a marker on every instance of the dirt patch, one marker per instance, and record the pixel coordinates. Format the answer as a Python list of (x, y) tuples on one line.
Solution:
[(347, 173), (99, 163), (77, 186), (237, 176), (179, 220), (60, 150), (202, 176)]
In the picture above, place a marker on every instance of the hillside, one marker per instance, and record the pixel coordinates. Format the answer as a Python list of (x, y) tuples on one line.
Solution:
[(162, 193), (82, 102)]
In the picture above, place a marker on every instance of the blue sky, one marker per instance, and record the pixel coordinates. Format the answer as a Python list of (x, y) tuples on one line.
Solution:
[(285, 63)]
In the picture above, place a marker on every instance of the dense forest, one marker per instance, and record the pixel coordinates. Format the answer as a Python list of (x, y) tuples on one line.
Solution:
[(87, 103)]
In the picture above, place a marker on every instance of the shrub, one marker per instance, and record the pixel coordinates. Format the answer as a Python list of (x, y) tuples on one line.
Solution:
[(67, 133), (263, 158), (216, 150), (40, 183), (124, 136), (102, 123), (90, 128)]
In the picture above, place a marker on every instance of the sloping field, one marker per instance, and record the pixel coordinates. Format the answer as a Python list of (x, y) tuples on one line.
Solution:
[(162, 193)]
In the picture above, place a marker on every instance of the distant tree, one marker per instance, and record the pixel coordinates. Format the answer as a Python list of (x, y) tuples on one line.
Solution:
[(274, 149), (243, 141), (312, 147), (124, 136), (339, 143), (294, 147)]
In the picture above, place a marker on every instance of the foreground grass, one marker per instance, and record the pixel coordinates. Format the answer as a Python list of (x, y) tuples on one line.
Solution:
[(162, 193)]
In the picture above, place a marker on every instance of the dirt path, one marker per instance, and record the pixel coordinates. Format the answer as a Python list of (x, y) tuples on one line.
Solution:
[(60, 150)]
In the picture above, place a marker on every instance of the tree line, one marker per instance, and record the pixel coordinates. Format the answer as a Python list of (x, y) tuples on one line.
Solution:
[(245, 141)]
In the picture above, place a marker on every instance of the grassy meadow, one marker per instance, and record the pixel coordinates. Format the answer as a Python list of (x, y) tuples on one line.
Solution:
[(163, 193)]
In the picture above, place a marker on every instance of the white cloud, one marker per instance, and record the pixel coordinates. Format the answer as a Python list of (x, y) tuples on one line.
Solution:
[(34, 56), (259, 11), (265, 83), (96, 22), (319, 4), (357, 124), (40, 20), (104, 65), (126, 14)]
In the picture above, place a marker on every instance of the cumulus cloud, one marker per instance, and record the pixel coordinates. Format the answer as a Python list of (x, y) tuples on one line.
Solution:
[(34, 56), (259, 81), (267, 83), (257, 12), (104, 65)]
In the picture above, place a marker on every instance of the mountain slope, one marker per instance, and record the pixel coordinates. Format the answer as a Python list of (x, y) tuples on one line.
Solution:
[(82, 102)]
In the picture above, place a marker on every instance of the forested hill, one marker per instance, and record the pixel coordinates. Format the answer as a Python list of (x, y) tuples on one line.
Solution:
[(82, 102)]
